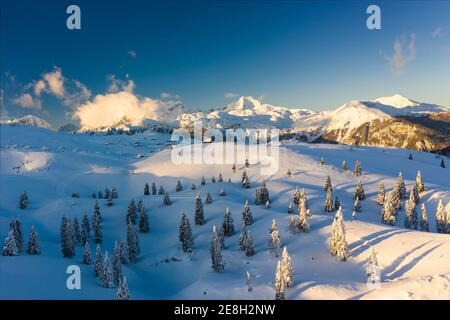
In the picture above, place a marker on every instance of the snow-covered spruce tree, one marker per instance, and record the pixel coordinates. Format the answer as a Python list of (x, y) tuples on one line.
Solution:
[(336, 203), (249, 249), (296, 196), (153, 188), (338, 244), (166, 199), (97, 212), (131, 212), (372, 268), (109, 201), (244, 175), (10, 246), (97, 226), (280, 285), (410, 157), (247, 164), (117, 263), (203, 181), (122, 291), (100, 194), (217, 263), (411, 219), (179, 187), (304, 198), (98, 264), (243, 237), (132, 243), (286, 267), (322, 161), (419, 182), (233, 167), (146, 189), (16, 225), (222, 192), (381, 195), (262, 195), (208, 199), (441, 225), (247, 216), (185, 234), (213, 179), (220, 179), (107, 277), (76, 230), (94, 195), (358, 169), (246, 183), (303, 224), (161, 190), (114, 193), (447, 222), (416, 194), (268, 205), (442, 163), (291, 207), (328, 186), (199, 216), (23, 200), (33, 246), (107, 193), (288, 173), (227, 225), (328, 207), (357, 205), (67, 238), (85, 228), (274, 238), (292, 225), (344, 166), (144, 225), (400, 186), (124, 252), (87, 253), (388, 212), (221, 237), (424, 226), (193, 187), (396, 199), (359, 192)]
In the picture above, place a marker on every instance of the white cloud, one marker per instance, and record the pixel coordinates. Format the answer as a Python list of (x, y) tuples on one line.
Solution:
[(27, 101), (132, 54), (400, 59), (106, 110), (231, 95), (117, 85), (39, 86), (55, 82), (437, 32)]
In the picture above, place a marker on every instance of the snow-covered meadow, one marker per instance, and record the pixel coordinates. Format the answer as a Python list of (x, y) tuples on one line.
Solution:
[(50, 166)]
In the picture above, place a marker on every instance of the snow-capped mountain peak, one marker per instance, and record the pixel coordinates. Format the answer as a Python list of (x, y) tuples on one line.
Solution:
[(397, 101), (29, 120)]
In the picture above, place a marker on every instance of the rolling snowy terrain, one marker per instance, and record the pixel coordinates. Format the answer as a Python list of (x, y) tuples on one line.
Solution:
[(51, 165)]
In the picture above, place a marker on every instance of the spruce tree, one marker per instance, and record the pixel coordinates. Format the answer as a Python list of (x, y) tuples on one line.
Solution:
[(249, 250), (296, 196), (23, 200), (246, 183), (220, 179), (322, 161), (153, 188), (274, 238), (227, 225), (262, 195), (97, 212), (329, 202), (303, 224), (247, 164), (185, 234), (410, 157), (213, 179), (243, 237), (372, 268), (166, 200), (358, 169), (203, 181), (16, 225), (244, 176), (97, 226), (388, 212), (290, 208), (10, 246), (67, 238), (132, 243), (94, 195), (132, 212), (208, 199), (146, 189), (280, 285), (123, 292), (419, 182), (268, 205), (247, 217), (221, 236), (217, 263), (107, 276), (441, 226), (337, 242), (344, 166), (411, 219), (85, 228), (328, 186), (222, 192), (442, 163), (124, 252), (359, 192), (233, 168), (33, 246), (161, 190), (100, 194), (179, 187), (114, 193), (424, 219), (286, 267), (144, 225), (288, 173), (400, 186), (248, 281), (199, 216), (87, 253), (76, 230), (416, 194), (117, 263), (98, 265), (357, 205), (336, 203), (381, 194), (193, 187)]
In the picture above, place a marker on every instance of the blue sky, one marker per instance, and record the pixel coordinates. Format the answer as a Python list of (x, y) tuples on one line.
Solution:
[(294, 53)]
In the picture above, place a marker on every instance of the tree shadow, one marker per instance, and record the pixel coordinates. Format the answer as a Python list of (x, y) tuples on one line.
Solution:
[(372, 239)]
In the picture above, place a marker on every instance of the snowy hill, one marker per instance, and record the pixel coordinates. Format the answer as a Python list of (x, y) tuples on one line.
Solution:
[(50, 166), (28, 120)]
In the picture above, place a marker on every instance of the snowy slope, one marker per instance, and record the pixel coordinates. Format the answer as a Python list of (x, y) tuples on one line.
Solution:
[(415, 265)]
